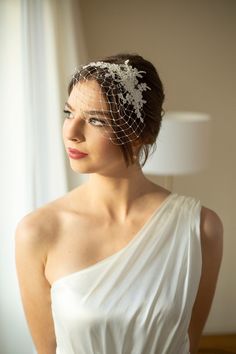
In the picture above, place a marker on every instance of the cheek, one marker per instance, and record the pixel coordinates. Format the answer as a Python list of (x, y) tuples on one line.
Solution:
[(105, 147)]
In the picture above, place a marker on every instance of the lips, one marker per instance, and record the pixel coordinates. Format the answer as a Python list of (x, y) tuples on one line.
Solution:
[(76, 154)]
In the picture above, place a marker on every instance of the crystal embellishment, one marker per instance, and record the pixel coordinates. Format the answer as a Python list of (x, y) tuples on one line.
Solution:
[(126, 76)]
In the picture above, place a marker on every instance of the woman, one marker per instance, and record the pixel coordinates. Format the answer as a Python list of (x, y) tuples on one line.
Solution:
[(119, 264)]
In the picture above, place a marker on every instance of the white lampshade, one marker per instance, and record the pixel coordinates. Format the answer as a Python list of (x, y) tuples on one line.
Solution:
[(182, 145)]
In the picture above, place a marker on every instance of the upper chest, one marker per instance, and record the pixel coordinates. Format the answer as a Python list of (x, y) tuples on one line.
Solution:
[(84, 240)]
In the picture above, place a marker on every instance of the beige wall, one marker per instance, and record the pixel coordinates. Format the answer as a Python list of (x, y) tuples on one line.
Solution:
[(193, 44)]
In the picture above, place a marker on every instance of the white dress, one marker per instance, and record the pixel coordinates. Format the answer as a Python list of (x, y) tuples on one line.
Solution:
[(138, 300)]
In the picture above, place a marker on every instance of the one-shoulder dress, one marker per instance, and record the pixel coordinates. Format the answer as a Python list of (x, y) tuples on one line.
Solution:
[(140, 299)]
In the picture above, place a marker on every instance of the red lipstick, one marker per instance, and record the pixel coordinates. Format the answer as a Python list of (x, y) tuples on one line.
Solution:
[(76, 154)]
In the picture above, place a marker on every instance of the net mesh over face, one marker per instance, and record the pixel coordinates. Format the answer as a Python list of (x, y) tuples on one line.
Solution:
[(111, 99)]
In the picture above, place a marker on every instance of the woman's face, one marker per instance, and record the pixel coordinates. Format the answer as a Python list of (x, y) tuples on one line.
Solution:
[(86, 133)]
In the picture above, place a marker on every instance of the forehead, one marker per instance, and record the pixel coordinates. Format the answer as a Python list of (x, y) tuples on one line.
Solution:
[(87, 95)]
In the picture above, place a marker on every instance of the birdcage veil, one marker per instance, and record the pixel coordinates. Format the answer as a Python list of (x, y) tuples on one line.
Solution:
[(116, 103)]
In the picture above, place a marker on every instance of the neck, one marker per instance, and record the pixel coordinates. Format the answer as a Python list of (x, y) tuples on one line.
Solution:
[(116, 194)]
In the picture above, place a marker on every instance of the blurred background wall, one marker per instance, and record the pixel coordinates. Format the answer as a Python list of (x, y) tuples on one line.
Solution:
[(193, 45)]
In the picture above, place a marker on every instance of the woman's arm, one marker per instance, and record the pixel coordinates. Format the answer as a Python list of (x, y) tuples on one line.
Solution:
[(31, 253), (212, 250)]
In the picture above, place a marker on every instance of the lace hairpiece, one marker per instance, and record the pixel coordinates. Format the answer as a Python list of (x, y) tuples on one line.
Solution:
[(127, 76), (120, 97)]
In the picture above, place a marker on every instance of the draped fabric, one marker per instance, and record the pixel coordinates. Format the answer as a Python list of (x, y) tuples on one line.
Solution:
[(41, 46), (140, 299)]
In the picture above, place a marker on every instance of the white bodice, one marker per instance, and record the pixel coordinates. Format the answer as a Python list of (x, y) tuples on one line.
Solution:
[(140, 299)]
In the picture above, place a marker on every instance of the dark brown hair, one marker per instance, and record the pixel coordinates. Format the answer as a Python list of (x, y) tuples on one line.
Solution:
[(152, 110)]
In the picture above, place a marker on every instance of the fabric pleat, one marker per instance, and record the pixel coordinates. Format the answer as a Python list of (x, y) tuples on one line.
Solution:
[(140, 299)]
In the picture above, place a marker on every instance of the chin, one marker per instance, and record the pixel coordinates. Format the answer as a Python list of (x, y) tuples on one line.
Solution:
[(83, 169), (108, 167)]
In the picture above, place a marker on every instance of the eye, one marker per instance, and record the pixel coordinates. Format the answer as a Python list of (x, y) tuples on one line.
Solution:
[(97, 122), (68, 114)]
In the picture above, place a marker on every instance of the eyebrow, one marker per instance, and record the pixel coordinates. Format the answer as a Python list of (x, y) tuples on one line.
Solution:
[(100, 113), (91, 112), (69, 106)]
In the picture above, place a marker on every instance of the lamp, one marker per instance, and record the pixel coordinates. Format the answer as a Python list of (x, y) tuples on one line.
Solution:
[(182, 145)]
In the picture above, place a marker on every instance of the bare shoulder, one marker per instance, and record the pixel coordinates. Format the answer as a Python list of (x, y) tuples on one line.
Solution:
[(38, 227), (35, 233), (42, 226), (211, 231)]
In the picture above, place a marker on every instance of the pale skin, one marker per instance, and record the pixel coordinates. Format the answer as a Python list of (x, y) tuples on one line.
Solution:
[(96, 220)]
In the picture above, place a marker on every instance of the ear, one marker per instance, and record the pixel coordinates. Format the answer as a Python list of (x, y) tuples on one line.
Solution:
[(138, 143), (136, 147)]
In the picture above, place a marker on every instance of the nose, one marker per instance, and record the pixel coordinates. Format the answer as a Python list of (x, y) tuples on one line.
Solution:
[(74, 129)]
